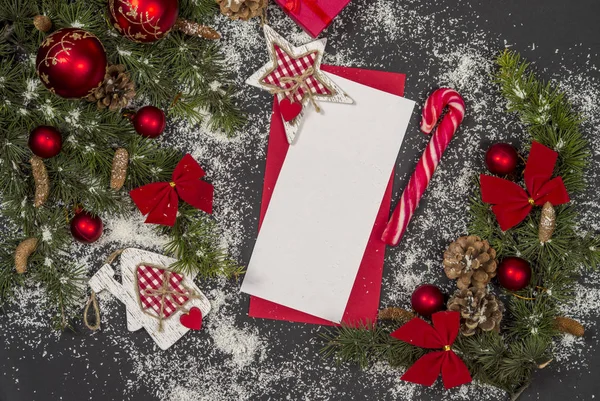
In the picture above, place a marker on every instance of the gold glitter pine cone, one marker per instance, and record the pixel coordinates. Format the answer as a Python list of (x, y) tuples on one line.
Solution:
[(42, 23), (478, 310), (471, 260), (116, 91), (242, 9)]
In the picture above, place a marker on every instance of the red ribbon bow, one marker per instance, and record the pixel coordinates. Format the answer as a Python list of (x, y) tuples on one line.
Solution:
[(442, 335), (511, 203), (160, 201)]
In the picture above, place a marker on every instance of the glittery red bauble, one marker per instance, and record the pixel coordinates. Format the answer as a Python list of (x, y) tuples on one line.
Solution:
[(149, 121), (86, 227), (45, 141), (143, 20), (514, 273), (501, 159), (71, 62), (427, 299)]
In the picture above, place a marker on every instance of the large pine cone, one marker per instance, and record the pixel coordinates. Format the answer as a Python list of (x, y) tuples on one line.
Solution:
[(478, 309), (242, 9), (471, 260), (116, 91)]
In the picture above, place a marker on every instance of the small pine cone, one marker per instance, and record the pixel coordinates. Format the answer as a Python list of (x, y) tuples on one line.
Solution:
[(396, 314), (40, 178), (569, 326), (242, 9), (42, 23), (119, 168), (478, 310), (115, 92), (547, 223), (22, 253), (471, 260), (195, 29)]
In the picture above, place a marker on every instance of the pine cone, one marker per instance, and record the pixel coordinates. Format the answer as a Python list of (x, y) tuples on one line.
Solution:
[(242, 9), (471, 260), (478, 309), (116, 91)]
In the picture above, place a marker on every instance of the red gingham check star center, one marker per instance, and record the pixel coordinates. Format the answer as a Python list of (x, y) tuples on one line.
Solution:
[(288, 66)]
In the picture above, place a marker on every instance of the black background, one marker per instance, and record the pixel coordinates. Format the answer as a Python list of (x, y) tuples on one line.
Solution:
[(565, 35)]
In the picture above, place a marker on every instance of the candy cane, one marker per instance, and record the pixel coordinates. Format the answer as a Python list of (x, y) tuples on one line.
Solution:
[(418, 182)]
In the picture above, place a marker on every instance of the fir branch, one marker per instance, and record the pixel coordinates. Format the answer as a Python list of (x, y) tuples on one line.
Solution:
[(195, 242)]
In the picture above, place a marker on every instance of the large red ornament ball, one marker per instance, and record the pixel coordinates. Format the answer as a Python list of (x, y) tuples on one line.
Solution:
[(501, 159), (427, 299), (45, 141), (149, 121), (86, 227), (143, 20), (71, 62), (514, 273)]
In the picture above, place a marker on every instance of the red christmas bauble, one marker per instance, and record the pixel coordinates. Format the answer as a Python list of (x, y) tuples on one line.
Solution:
[(86, 227), (149, 121), (427, 299), (45, 141), (143, 20), (501, 159), (71, 62), (514, 273)]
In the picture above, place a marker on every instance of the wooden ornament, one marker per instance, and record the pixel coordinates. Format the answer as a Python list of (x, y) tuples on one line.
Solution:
[(569, 326), (169, 330), (22, 253), (42, 183), (547, 223), (118, 173)]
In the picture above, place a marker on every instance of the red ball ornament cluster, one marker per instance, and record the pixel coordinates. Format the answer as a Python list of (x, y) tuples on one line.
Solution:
[(45, 141), (427, 299), (149, 121), (71, 62), (501, 159), (86, 227), (514, 273), (143, 20)]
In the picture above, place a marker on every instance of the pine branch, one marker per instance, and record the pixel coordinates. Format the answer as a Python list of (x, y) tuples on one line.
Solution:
[(195, 242)]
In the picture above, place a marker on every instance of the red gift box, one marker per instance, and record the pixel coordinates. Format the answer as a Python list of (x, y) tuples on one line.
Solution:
[(313, 15)]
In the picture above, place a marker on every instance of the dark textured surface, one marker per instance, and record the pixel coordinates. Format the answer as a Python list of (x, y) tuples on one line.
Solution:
[(430, 41)]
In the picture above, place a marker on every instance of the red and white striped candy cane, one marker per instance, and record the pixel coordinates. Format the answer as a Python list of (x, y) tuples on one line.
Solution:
[(418, 182)]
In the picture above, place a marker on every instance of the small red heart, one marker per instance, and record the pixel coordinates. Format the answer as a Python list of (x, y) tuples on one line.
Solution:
[(289, 110), (193, 319), (292, 5)]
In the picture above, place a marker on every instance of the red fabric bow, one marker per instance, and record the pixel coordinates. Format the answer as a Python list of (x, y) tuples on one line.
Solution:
[(159, 200), (442, 335), (511, 203)]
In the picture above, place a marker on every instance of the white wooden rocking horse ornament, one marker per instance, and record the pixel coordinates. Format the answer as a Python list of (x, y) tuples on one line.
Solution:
[(165, 303)]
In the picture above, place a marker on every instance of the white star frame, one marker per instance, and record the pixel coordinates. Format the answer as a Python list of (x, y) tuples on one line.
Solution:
[(336, 95)]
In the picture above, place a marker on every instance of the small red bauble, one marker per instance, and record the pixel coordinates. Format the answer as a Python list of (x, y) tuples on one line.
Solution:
[(71, 62), (514, 273), (149, 121), (45, 141), (501, 159), (427, 299), (86, 227), (143, 20)]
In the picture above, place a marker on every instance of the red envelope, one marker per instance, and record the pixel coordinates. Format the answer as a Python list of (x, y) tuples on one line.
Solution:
[(363, 303)]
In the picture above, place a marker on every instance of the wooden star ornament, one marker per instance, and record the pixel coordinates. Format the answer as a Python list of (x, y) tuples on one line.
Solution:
[(294, 75)]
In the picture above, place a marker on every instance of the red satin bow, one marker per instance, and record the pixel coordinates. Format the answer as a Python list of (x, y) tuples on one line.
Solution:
[(442, 335), (511, 203), (159, 200)]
